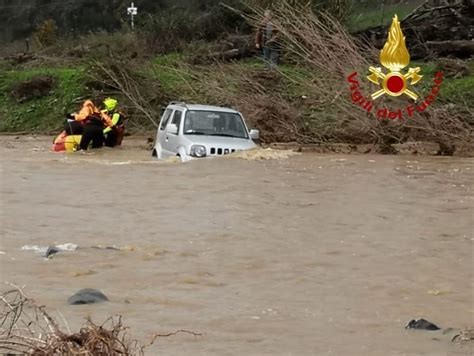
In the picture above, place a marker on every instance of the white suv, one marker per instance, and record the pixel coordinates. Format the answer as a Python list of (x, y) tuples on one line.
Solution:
[(195, 131)]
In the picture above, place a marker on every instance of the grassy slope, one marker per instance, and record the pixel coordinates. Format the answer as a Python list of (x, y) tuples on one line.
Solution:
[(370, 14), (179, 80), (458, 91), (46, 113), (42, 114)]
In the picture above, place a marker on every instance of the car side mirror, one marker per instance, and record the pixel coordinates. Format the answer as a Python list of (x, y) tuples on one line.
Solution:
[(172, 129), (255, 135)]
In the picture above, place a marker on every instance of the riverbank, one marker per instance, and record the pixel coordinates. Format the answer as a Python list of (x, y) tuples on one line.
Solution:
[(144, 142)]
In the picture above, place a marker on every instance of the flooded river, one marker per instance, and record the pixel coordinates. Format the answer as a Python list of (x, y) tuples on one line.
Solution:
[(307, 255)]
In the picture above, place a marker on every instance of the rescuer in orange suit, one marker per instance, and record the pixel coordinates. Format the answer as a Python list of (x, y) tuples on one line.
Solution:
[(90, 123)]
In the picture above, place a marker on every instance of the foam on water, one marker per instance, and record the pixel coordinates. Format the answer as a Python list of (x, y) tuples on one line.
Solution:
[(264, 154)]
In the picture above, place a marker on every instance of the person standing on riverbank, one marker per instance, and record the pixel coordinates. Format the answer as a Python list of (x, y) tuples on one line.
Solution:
[(266, 39)]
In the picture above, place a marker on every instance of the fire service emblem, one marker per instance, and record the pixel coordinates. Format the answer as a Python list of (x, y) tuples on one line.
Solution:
[(395, 56), (395, 83)]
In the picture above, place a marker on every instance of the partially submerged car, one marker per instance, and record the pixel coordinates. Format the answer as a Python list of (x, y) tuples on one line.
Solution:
[(196, 131)]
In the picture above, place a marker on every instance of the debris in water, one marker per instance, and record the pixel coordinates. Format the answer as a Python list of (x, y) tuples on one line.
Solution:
[(48, 251), (173, 159), (437, 292), (464, 336), (100, 247), (87, 296), (27, 328), (421, 324), (67, 247), (128, 248), (263, 154), (84, 273)]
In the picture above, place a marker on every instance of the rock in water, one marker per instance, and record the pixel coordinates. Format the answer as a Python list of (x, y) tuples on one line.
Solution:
[(87, 296), (421, 324), (50, 252)]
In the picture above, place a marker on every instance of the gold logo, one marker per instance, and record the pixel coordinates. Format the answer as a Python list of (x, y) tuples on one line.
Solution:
[(394, 56)]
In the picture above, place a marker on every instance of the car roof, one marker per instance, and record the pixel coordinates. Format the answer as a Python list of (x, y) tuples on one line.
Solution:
[(198, 107)]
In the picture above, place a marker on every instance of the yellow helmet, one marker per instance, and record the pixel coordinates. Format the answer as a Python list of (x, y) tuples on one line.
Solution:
[(110, 104)]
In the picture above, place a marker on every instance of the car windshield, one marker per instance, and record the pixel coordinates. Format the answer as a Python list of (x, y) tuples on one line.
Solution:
[(214, 123)]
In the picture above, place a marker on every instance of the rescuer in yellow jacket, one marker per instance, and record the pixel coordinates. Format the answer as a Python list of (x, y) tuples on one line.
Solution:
[(115, 128)]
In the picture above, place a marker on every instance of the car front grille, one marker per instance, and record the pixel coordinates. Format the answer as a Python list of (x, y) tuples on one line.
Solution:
[(221, 151)]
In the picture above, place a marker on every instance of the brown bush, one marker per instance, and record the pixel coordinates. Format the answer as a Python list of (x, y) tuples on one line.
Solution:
[(27, 328), (319, 42), (35, 87), (47, 33)]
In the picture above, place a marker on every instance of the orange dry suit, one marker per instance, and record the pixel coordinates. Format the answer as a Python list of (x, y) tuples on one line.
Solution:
[(89, 110), (94, 121)]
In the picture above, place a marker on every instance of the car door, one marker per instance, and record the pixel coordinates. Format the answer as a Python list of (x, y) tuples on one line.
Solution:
[(161, 135), (172, 139)]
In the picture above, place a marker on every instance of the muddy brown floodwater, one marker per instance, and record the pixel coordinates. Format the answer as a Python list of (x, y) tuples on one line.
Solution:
[(308, 255)]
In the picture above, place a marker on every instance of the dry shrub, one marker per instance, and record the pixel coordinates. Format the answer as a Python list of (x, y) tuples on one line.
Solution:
[(47, 33), (319, 42), (256, 93), (259, 97), (26, 328), (140, 96), (35, 87)]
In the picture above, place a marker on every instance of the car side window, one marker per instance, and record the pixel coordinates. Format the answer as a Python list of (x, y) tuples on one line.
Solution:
[(166, 118), (177, 118)]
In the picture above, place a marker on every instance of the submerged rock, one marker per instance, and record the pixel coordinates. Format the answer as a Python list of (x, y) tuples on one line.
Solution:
[(51, 251), (421, 324), (87, 296)]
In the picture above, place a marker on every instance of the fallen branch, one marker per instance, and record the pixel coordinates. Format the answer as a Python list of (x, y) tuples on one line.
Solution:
[(27, 328), (121, 80)]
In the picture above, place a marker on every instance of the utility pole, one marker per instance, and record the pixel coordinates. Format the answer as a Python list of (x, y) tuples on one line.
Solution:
[(132, 11)]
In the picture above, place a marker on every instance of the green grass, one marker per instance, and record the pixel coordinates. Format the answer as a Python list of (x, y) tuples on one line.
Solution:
[(183, 80), (172, 75), (43, 113), (458, 91), (370, 15)]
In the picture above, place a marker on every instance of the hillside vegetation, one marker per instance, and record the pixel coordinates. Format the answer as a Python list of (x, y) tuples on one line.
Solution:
[(306, 100)]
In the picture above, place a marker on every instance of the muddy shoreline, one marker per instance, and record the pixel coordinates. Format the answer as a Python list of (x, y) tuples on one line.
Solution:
[(422, 148)]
